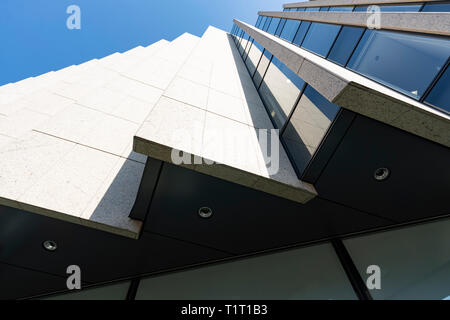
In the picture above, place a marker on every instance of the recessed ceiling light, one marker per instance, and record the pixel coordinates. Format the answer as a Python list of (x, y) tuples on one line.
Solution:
[(50, 245), (205, 212)]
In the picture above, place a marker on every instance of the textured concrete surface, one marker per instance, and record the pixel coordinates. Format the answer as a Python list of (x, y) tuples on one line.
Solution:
[(422, 22), (66, 136), (355, 92), (216, 119)]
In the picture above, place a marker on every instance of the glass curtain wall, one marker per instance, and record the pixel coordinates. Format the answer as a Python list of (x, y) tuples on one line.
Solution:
[(413, 264), (406, 62)]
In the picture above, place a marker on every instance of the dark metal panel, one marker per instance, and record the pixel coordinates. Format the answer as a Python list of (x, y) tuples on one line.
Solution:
[(101, 256), (17, 283), (419, 182), (244, 220), (148, 183)]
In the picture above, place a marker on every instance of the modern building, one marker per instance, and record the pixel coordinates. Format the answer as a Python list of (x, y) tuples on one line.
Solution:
[(304, 157)]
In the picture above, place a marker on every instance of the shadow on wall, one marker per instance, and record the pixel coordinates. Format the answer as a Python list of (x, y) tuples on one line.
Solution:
[(118, 197)]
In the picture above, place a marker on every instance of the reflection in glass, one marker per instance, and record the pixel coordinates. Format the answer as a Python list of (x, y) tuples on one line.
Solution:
[(304, 26), (440, 94), (306, 273), (308, 125), (290, 29), (247, 49), (280, 27), (273, 25), (258, 21), (254, 55), (236, 34), (243, 44), (341, 9), (345, 43), (263, 22), (267, 23), (414, 261), (401, 8), (361, 9), (262, 67), (320, 38), (392, 8), (403, 61), (279, 91), (436, 7)]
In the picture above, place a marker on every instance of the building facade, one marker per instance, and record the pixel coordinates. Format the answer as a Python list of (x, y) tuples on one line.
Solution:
[(304, 157)]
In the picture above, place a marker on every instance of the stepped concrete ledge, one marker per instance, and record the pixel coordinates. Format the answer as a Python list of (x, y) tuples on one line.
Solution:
[(212, 112), (66, 136), (355, 92)]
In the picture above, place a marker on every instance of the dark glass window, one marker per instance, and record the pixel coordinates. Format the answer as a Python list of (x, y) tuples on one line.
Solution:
[(436, 7), (414, 261), (241, 34), (324, 9), (341, 9), (401, 8), (392, 8), (273, 25), (320, 38), (267, 23), (301, 9), (262, 67), (440, 94), (238, 35), (262, 23), (244, 43), (254, 55), (241, 40), (360, 9), (345, 43), (312, 9), (307, 127), (290, 29), (312, 273), (258, 21), (280, 27), (279, 91), (247, 49), (403, 61), (304, 26)]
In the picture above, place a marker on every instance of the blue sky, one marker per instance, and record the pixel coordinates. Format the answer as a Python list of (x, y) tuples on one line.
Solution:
[(35, 39)]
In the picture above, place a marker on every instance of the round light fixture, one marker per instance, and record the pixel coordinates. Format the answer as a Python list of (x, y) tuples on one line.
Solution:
[(381, 174), (50, 245), (205, 212)]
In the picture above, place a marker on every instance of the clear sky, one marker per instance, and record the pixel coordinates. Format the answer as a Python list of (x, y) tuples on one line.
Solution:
[(35, 38)]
